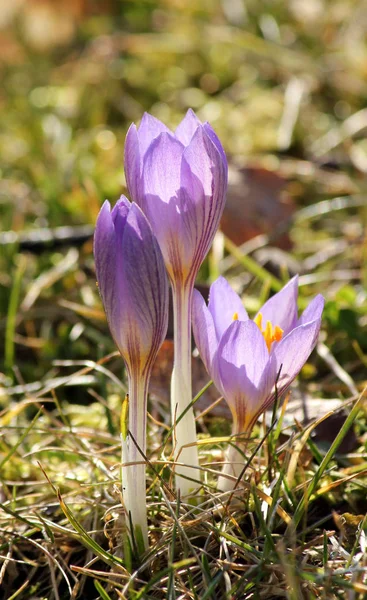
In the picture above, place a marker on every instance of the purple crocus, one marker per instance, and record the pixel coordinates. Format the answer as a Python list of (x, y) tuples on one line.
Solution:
[(248, 358), (133, 285), (179, 180)]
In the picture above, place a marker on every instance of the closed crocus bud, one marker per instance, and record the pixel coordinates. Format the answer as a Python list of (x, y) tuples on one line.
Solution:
[(179, 180), (252, 361), (133, 285)]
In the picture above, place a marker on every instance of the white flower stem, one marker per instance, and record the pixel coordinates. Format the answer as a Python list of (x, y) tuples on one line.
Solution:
[(181, 392), (134, 476), (234, 462)]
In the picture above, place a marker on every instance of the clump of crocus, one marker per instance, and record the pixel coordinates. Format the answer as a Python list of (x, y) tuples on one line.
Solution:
[(133, 285), (249, 361), (179, 180)]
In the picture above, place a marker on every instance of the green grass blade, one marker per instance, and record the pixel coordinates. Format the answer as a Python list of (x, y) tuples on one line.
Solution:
[(325, 462), (102, 592), (86, 539)]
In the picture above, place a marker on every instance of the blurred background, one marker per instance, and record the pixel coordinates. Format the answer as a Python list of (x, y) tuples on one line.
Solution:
[(284, 84)]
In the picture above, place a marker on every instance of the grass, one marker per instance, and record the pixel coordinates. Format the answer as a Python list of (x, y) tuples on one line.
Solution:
[(296, 526)]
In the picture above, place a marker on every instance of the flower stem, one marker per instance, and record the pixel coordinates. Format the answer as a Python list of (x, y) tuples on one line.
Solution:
[(234, 462), (134, 476), (181, 391)]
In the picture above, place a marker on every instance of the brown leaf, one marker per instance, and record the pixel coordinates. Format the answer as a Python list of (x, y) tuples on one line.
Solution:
[(257, 201)]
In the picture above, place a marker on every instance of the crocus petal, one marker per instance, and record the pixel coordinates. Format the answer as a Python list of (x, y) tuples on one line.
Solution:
[(291, 353), (313, 310), (203, 329), (149, 129), (105, 255), (161, 170), (281, 309), (199, 159), (132, 282), (215, 139), (203, 186), (142, 266), (224, 304), (242, 358), (132, 163), (186, 129)]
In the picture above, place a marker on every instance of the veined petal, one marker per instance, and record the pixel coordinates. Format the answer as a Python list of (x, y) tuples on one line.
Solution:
[(109, 228), (215, 139), (105, 256), (242, 359), (186, 129), (313, 310), (149, 129), (132, 281), (161, 204), (161, 170), (199, 161), (225, 306), (291, 353), (203, 329), (281, 309), (203, 189), (145, 303), (133, 164)]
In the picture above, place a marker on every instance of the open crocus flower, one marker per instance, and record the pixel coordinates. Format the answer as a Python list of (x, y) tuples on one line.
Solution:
[(133, 285), (179, 180), (247, 359)]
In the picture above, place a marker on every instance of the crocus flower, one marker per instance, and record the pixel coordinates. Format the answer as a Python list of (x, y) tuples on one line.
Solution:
[(179, 180), (250, 361), (133, 285)]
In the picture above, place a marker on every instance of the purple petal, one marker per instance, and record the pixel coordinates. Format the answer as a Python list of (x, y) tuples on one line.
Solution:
[(105, 253), (146, 303), (161, 204), (186, 129), (161, 169), (223, 304), (199, 161), (281, 309), (242, 361), (291, 353), (132, 164), (149, 129), (313, 311), (132, 281), (121, 211), (215, 139), (203, 329), (106, 258), (203, 189)]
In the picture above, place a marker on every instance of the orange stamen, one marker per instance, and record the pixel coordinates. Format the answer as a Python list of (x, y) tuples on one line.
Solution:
[(258, 320), (235, 316), (271, 334)]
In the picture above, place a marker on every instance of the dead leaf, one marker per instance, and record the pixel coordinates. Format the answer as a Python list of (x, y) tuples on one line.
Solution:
[(257, 201)]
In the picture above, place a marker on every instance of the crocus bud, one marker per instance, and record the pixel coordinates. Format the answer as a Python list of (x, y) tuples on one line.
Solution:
[(132, 282), (252, 361), (134, 289), (180, 181)]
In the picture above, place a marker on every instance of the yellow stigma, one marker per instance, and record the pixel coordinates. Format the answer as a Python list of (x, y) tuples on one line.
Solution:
[(235, 316), (271, 334)]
